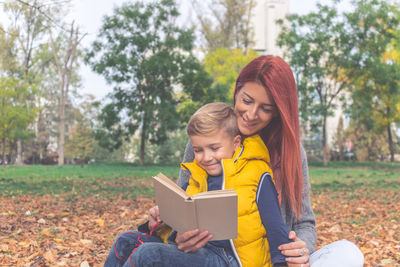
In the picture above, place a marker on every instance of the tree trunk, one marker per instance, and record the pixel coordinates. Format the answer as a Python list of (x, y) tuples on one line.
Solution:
[(3, 156), (324, 143), (19, 160), (390, 141), (143, 140), (61, 128)]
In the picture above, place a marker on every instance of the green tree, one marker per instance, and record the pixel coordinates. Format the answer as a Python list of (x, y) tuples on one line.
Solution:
[(146, 56), (15, 113), (371, 31), (215, 82), (29, 22), (314, 46), (224, 66)]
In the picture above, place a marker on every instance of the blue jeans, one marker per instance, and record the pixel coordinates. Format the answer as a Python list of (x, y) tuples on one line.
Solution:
[(152, 252)]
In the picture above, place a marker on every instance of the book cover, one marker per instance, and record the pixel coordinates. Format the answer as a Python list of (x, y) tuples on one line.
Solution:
[(214, 211)]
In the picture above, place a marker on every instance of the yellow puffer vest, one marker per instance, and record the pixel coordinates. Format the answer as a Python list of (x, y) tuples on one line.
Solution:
[(242, 173)]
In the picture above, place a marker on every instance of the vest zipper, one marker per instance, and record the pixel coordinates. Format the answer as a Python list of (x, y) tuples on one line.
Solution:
[(230, 240)]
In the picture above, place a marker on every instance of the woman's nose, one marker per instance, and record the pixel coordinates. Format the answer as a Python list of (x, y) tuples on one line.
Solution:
[(252, 113)]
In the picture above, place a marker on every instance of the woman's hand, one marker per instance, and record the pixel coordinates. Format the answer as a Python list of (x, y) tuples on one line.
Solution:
[(297, 252), (192, 241), (154, 217)]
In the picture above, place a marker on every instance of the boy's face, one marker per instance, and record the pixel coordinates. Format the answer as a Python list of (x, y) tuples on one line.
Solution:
[(210, 149)]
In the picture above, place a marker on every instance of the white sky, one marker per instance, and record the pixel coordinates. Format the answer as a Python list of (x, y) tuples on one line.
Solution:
[(88, 15)]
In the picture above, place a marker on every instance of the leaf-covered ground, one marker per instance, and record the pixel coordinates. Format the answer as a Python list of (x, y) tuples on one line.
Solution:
[(67, 230)]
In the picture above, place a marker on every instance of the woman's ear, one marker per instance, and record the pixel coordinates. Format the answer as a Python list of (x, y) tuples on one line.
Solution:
[(237, 141)]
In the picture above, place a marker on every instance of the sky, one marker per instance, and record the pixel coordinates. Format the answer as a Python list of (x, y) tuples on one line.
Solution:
[(88, 15)]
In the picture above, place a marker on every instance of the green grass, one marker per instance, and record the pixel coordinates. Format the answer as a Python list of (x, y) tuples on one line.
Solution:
[(109, 180), (129, 181), (348, 176)]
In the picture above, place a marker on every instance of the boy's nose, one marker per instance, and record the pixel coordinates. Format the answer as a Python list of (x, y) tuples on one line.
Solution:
[(208, 156)]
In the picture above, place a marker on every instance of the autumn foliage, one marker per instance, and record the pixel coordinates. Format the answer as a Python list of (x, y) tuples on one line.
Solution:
[(78, 230)]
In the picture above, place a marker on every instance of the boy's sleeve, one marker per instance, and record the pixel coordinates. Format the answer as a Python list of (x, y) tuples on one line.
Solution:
[(270, 213)]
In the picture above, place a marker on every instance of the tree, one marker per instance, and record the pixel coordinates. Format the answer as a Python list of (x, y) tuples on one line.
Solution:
[(146, 56), (370, 36), (15, 113), (215, 81), (29, 21), (314, 45), (224, 66), (66, 63), (339, 138), (228, 25)]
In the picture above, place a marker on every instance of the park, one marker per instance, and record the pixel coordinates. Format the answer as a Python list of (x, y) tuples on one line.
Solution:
[(76, 169)]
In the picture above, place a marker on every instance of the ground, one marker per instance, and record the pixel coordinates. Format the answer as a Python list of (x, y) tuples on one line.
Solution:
[(79, 231), (76, 225)]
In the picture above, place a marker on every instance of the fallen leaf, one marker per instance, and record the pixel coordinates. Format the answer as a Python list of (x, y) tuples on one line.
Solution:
[(48, 255), (86, 241)]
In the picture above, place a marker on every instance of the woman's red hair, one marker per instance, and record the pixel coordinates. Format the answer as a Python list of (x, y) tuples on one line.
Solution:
[(282, 134)]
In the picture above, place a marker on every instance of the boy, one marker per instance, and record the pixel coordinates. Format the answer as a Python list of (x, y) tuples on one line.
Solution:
[(222, 162)]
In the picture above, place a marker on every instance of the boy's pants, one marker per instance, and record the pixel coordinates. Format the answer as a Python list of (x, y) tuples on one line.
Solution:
[(155, 253)]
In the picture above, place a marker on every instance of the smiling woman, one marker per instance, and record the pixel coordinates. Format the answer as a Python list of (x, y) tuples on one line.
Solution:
[(254, 108), (266, 103)]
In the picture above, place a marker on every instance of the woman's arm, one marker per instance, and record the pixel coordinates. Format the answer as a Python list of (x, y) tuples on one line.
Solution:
[(305, 226), (188, 156), (302, 230)]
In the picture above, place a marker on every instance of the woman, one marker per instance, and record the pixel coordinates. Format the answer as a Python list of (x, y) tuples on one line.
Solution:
[(265, 101)]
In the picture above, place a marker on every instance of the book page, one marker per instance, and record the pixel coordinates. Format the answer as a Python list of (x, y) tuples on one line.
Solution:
[(175, 209), (161, 178), (218, 215)]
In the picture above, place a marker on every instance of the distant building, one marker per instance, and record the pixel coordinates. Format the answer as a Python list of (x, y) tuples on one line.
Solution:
[(266, 31)]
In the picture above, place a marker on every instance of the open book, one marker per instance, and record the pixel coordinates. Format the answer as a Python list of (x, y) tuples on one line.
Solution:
[(214, 211)]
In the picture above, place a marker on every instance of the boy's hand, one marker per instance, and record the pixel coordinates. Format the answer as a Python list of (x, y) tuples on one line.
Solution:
[(154, 217), (192, 241)]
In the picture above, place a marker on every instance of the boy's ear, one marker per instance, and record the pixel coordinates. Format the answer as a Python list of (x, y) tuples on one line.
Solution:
[(237, 141)]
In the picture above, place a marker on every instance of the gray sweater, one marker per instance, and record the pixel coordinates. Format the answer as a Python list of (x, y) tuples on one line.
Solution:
[(304, 227)]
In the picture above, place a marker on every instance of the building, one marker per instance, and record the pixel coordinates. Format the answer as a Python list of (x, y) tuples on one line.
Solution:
[(266, 30)]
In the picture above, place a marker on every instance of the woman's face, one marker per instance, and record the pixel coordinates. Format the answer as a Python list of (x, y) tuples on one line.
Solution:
[(254, 108)]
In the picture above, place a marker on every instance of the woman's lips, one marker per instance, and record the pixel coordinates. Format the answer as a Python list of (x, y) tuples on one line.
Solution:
[(248, 124)]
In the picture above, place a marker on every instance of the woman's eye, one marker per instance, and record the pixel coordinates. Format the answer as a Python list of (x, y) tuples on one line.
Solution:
[(266, 110), (246, 101)]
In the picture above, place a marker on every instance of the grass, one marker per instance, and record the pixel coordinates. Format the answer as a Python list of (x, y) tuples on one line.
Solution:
[(129, 181), (109, 180), (348, 176)]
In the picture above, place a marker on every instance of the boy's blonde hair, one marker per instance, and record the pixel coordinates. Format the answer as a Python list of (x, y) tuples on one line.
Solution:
[(211, 118)]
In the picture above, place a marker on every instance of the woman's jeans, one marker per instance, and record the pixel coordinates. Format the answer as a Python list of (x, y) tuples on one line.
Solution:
[(341, 253), (152, 252)]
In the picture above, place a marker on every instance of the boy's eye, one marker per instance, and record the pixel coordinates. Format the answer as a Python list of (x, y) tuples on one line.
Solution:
[(214, 148), (196, 150)]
